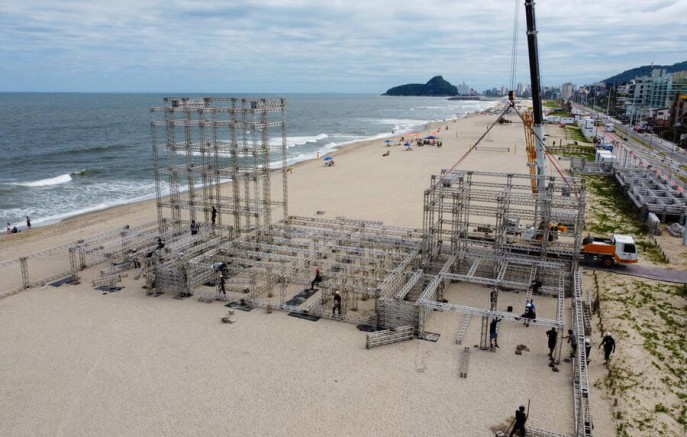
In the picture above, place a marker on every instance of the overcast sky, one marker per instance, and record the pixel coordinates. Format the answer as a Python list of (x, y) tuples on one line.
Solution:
[(349, 46)]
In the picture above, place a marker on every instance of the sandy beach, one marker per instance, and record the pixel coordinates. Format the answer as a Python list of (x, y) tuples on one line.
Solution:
[(79, 362)]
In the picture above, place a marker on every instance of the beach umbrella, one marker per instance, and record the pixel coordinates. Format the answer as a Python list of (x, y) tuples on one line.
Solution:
[(388, 141), (407, 144), (431, 137), (328, 158)]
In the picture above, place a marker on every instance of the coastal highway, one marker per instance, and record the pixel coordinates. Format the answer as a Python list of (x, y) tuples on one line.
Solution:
[(668, 149)]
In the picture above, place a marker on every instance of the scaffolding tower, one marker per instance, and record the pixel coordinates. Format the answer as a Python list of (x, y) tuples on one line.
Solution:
[(199, 144)]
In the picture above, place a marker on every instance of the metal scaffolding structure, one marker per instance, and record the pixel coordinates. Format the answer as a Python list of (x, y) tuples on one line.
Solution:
[(652, 185), (475, 211), (198, 144), (219, 154)]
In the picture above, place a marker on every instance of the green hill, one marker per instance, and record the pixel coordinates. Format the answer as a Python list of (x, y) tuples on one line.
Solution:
[(644, 70), (436, 87)]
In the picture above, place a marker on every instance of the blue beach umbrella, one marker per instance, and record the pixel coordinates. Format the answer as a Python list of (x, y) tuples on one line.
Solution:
[(388, 141), (328, 158), (407, 144), (431, 137)]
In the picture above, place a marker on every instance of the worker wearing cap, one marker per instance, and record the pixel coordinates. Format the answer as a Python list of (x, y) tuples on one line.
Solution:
[(520, 419), (609, 346), (587, 348), (317, 280)]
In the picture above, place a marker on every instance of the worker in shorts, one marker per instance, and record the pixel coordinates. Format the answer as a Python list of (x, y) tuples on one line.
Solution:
[(572, 340), (493, 332)]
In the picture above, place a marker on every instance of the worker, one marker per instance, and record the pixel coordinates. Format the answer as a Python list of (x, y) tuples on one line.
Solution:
[(317, 280), (337, 303), (572, 340), (493, 333), (587, 348), (609, 346), (223, 285), (552, 335), (520, 419)]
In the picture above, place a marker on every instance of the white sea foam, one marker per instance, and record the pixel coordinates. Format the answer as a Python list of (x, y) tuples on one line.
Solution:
[(61, 179), (274, 142), (299, 141), (46, 211)]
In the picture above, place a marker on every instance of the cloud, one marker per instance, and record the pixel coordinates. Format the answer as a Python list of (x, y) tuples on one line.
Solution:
[(313, 46)]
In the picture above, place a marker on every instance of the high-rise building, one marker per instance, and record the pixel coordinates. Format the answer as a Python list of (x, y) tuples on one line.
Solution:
[(567, 91)]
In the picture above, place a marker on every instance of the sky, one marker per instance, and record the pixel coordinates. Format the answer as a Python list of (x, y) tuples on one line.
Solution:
[(324, 46)]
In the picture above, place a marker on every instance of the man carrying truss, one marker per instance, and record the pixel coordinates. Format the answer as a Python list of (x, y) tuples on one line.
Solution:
[(520, 419)]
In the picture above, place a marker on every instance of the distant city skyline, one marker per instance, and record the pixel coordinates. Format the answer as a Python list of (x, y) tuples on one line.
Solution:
[(294, 46)]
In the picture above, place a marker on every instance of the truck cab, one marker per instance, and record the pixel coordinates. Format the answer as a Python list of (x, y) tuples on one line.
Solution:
[(619, 249)]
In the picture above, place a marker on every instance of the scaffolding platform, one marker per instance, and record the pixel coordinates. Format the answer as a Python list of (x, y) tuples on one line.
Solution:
[(389, 336)]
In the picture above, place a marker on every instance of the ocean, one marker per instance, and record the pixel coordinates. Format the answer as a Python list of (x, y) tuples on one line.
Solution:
[(65, 154)]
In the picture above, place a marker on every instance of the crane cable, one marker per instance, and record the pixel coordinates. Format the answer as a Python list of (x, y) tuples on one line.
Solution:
[(472, 147), (514, 49), (514, 62), (546, 152), (513, 73)]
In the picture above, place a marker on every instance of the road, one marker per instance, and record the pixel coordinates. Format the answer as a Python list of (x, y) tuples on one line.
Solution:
[(655, 273), (671, 151)]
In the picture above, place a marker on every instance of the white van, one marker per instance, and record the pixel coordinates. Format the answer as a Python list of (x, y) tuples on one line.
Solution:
[(610, 127)]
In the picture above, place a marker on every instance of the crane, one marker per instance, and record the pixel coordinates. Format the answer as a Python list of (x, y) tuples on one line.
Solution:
[(536, 130)]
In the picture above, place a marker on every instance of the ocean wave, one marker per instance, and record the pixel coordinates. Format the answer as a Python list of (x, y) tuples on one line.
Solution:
[(299, 141), (48, 206), (290, 141), (87, 171), (61, 179)]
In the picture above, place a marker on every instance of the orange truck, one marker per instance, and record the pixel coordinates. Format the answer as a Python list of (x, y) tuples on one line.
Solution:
[(619, 249)]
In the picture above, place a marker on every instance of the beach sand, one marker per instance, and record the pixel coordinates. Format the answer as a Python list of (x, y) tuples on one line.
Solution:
[(79, 362)]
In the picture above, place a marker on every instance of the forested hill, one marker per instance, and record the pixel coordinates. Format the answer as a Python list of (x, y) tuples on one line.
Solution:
[(644, 70), (437, 87)]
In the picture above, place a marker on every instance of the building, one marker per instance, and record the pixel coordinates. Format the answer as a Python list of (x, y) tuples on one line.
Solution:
[(567, 91)]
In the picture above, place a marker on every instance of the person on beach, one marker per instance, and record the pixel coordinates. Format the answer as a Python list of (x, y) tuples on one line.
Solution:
[(9, 228), (387, 153), (223, 285), (194, 227), (552, 334), (317, 280), (15, 230), (609, 346), (337, 303), (220, 267), (213, 216), (493, 333), (587, 348), (28, 222), (520, 419), (572, 340), (530, 313), (160, 243)]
